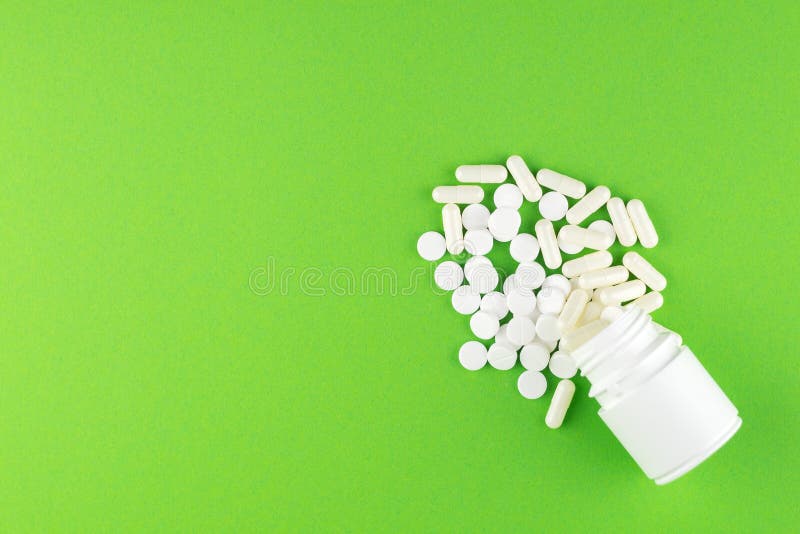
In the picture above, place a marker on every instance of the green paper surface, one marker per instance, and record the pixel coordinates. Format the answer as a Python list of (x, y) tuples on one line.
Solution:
[(213, 314)]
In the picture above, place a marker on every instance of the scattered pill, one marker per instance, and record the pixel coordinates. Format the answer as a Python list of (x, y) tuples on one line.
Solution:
[(521, 330), (621, 221), (451, 221), (510, 284), (478, 242), (523, 248), (584, 237), (591, 313), (472, 355), (508, 196), (466, 300), (574, 339), (534, 356), (481, 174), (611, 313), (560, 281), (573, 309), (475, 217), (524, 178), (562, 183), (547, 328), (504, 224), (431, 246), (458, 194), (562, 365), (565, 246), (501, 357), (484, 325), (559, 404), (548, 243), (448, 275), (644, 271), (483, 277), (590, 262), (529, 275), (649, 302), (603, 277), (621, 292), (642, 224), (553, 206), (502, 337), (550, 300), (474, 262), (601, 226), (521, 302), (593, 201), (531, 384), (494, 302)]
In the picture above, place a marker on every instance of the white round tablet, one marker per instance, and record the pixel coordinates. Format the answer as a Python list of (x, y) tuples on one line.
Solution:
[(478, 242), (524, 248), (534, 356), (510, 284), (550, 300), (484, 325), (560, 281), (508, 196), (431, 246), (475, 217), (606, 228), (504, 224), (521, 302), (529, 275), (484, 278), (553, 206), (521, 330), (501, 357), (494, 302), (567, 247), (532, 384), (547, 328), (562, 365), (475, 262), (466, 300), (502, 337), (472, 355), (448, 275)]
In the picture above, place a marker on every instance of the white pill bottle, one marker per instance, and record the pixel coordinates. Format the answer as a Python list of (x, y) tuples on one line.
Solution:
[(655, 396)]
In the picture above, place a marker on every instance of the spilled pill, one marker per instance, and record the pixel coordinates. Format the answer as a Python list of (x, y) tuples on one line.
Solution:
[(524, 178), (458, 194), (481, 174)]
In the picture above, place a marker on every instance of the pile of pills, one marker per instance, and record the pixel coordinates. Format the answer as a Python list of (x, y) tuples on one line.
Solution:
[(529, 315)]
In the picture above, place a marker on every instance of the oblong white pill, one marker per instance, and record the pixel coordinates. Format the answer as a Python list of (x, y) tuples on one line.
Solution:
[(589, 204), (600, 226), (603, 277), (458, 194), (472, 355), (621, 292), (508, 196), (431, 246), (559, 281), (494, 302), (481, 174), (649, 302), (453, 236), (566, 185), (524, 248), (521, 302), (504, 224), (559, 404), (466, 300), (621, 221), (531, 384), (524, 178), (574, 339), (529, 275), (546, 236), (642, 223), (475, 217), (562, 365), (478, 242), (501, 357), (567, 247), (448, 275), (534, 356), (591, 312), (573, 309), (547, 328), (589, 262), (484, 325), (502, 337), (644, 271), (521, 330), (584, 237), (611, 313), (550, 300), (553, 206)]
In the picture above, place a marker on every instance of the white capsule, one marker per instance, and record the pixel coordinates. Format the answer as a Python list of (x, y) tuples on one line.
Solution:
[(562, 183), (621, 292), (589, 204), (642, 224), (508, 196), (458, 194), (453, 236), (524, 178), (504, 224), (475, 217), (644, 271), (575, 338), (573, 309), (548, 243), (649, 302), (611, 313), (621, 221), (481, 174), (601, 226), (589, 262), (559, 404), (591, 313), (603, 277), (585, 237), (567, 247)]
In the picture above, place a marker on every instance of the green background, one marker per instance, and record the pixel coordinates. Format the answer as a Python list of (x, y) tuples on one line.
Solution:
[(153, 158)]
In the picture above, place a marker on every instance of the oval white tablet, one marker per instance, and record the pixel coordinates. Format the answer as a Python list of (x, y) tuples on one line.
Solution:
[(431, 246), (466, 300), (472, 355), (508, 196), (562, 365), (547, 328), (521, 330), (534, 356), (475, 217), (504, 224), (478, 242), (532, 384), (553, 206), (501, 357), (494, 302), (448, 275), (484, 325)]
